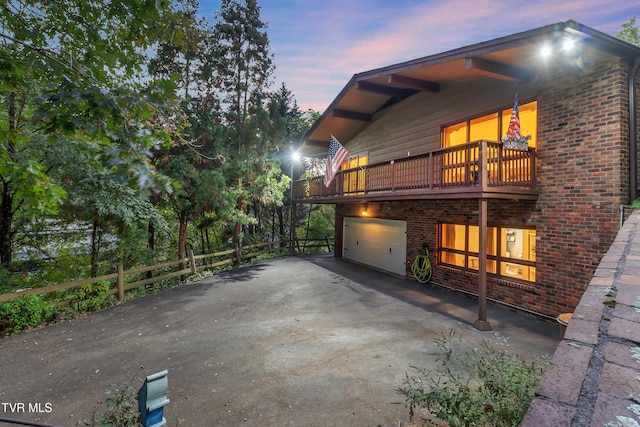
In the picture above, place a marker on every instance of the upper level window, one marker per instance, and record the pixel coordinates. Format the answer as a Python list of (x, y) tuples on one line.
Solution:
[(353, 182), (492, 126)]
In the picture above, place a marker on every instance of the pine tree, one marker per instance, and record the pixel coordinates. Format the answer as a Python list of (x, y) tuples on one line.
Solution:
[(245, 66)]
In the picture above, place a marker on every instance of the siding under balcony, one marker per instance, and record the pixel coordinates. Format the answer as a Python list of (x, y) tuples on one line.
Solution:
[(479, 169)]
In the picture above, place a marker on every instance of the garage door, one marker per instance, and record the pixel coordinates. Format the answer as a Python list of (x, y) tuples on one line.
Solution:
[(380, 243)]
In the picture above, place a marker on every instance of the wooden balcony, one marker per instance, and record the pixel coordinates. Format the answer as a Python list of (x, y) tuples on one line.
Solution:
[(479, 169)]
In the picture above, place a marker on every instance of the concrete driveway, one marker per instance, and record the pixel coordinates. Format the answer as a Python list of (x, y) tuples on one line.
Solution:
[(312, 341)]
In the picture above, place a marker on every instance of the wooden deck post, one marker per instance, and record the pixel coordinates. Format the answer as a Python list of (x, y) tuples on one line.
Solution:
[(482, 324)]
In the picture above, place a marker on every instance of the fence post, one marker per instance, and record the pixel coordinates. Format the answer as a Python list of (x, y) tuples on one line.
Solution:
[(120, 282), (328, 244), (192, 261), (238, 257)]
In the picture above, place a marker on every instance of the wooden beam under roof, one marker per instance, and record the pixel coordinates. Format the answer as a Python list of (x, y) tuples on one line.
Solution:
[(496, 70), (421, 85), (384, 90), (351, 115)]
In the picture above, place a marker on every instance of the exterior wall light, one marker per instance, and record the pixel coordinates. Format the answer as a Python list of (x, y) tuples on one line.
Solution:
[(566, 44)]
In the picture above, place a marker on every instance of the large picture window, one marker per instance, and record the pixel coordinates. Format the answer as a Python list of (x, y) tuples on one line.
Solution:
[(511, 252), (492, 126)]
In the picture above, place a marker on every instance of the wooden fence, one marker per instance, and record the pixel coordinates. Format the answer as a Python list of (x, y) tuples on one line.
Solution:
[(158, 272), (303, 244)]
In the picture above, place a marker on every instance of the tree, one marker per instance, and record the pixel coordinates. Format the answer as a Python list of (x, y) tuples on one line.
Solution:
[(245, 65), (71, 71), (629, 32), (101, 199), (286, 121), (194, 164)]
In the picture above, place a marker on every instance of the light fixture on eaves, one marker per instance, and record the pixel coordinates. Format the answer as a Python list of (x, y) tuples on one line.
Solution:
[(567, 44)]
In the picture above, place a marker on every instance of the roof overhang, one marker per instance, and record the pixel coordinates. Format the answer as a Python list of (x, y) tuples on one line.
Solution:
[(514, 58)]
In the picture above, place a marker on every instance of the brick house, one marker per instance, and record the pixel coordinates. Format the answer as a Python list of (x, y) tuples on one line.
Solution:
[(427, 169)]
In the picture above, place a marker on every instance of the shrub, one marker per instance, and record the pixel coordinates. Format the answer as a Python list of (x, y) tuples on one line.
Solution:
[(85, 298), (121, 408), (10, 281), (93, 297), (473, 386), (25, 312)]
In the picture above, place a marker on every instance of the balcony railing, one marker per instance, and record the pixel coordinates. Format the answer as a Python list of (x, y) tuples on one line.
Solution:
[(478, 166)]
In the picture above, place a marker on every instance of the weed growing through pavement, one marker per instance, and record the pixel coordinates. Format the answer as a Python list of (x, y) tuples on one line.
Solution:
[(121, 408)]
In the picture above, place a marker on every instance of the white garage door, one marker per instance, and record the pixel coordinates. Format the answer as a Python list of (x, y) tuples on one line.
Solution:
[(380, 243)]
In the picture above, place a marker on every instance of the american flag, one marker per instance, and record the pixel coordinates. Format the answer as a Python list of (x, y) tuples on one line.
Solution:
[(514, 124), (337, 154)]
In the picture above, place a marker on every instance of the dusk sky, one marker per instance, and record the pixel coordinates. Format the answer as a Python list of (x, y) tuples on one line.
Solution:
[(319, 45)]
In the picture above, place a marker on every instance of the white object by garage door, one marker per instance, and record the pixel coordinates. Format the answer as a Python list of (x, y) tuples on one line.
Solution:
[(380, 243)]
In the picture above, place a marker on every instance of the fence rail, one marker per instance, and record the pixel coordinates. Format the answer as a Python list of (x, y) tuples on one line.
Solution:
[(303, 244), (195, 263)]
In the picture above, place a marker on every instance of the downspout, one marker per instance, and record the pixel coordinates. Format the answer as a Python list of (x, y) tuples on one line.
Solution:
[(633, 133)]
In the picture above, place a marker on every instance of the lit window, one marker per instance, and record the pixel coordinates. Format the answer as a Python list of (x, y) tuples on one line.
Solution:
[(353, 182), (511, 252), (455, 135), (492, 126), (485, 127)]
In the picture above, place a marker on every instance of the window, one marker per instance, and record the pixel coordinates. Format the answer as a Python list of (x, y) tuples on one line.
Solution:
[(457, 163), (492, 126), (353, 182), (511, 252)]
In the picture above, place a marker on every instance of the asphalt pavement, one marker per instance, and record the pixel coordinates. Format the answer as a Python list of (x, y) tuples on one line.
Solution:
[(295, 341)]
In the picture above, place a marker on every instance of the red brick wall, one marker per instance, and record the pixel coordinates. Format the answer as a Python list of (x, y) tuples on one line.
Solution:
[(422, 219), (582, 179), (583, 176)]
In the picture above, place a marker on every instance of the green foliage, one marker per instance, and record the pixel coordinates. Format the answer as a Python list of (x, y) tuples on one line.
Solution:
[(165, 284), (269, 255), (73, 76), (320, 222), (68, 265), (25, 312), (474, 386), (121, 408), (9, 281), (630, 32), (136, 167), (635, 204), (90, 297), (200, 275)]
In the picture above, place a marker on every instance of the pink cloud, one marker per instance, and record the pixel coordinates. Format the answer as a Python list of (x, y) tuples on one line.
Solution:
[(323, 47)]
